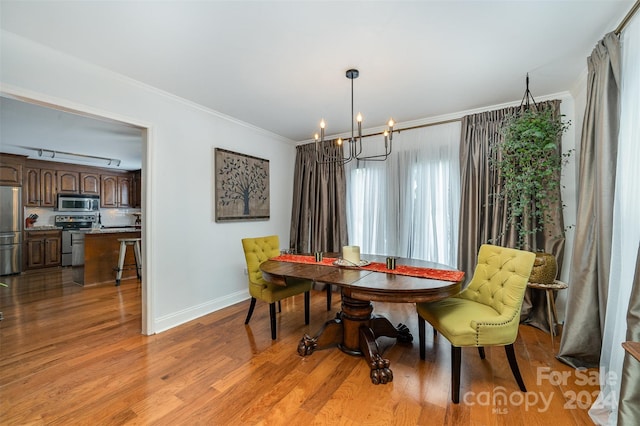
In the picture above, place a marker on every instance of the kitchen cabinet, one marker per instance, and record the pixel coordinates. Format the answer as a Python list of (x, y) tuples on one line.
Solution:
[(39, 187), (68, 182), (124, 191), (115, 191), (11, 170), (90, 183), (136, 189), (108, 191), (42, 249), (43, 180)]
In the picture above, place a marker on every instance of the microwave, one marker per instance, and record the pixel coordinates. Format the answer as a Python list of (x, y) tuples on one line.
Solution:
[(78, 203)]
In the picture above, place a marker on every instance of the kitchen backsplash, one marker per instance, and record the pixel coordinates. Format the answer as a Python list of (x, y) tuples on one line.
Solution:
[(109, 217)]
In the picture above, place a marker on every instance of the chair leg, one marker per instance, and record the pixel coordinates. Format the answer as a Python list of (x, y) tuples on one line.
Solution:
[(456, 356), (421, 333), (279, 306), (251, 306), (272, 318), (481, 352), (307, 300), (121, 256), (137, 254), (513, 363), (328, 296)]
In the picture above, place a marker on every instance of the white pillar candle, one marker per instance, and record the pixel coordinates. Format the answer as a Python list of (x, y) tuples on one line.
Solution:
[(351, 254)]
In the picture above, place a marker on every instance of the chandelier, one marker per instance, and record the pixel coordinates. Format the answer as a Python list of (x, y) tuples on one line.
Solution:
[(324, 154)]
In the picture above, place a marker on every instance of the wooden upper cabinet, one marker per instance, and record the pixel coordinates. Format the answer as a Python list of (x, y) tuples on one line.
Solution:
[(11, 168), (10, 173), (115, 191), (31, 187), (108, 191), (68, 182), (47, 188), (124, 191), (39, 187), (136, 189), (90, 183), (42, 181)]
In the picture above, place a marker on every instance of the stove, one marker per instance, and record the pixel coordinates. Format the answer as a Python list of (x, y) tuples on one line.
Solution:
[(68, 222), (72, 223)]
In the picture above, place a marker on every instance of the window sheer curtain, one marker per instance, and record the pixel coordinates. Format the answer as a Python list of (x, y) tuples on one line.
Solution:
[(408, 205), (621, 321)]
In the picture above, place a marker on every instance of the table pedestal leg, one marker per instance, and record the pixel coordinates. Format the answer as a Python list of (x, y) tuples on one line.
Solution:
[(329, 335), (355, 314), (380, 371), (355, 331), (381, 326)]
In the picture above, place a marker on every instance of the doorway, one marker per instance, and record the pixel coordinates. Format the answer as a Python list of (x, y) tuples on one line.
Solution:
[(59, 128)]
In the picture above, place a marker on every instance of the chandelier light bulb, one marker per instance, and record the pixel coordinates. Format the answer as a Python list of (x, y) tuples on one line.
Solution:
[(316, 137), (339, 141), (322, 123), (359, 118), (391, 123)]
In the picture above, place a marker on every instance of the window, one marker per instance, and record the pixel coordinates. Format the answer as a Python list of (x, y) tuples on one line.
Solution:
[(408, 205)]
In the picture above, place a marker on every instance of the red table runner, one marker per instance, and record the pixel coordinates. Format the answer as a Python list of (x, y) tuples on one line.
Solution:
[(412, 271)]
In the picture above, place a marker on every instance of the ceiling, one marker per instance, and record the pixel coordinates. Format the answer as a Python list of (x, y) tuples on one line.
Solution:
[(281, 65), (27, 128)]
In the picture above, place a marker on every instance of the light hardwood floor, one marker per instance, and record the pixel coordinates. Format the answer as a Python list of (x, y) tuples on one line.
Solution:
[(73, 355)]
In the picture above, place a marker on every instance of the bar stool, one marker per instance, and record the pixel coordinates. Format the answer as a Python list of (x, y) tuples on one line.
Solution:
[(552, 314), (124, 243)]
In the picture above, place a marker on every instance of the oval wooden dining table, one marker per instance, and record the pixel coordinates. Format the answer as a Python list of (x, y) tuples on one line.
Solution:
[(355, 328)]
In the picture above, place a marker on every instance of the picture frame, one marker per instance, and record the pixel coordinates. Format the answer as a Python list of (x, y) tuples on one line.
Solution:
[(241, 185)]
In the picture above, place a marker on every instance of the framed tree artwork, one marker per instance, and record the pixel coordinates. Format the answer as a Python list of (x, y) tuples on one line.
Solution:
[(241, 186)]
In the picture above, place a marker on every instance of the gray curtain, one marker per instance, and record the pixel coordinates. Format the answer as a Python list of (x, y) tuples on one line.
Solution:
[(318, 214), (589, 278), (483, 219), (629, 407)]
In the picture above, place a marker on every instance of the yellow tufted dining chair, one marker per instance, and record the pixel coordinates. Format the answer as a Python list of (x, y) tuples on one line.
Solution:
[(485, 313), (256, 251)]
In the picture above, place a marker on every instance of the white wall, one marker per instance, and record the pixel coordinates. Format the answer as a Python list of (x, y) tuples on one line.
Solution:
[(193, 265)]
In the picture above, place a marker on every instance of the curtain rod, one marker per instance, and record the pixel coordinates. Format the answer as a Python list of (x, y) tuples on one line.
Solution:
[(436, 123), (453, 120), (628, 17)]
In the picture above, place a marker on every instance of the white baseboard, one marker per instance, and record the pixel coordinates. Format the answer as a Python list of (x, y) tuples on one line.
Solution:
[(177, 318)]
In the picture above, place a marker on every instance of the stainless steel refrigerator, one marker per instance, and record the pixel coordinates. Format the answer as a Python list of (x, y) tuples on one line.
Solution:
[(10, 230)]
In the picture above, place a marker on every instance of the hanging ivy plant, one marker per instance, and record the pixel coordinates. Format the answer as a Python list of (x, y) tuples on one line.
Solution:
[(529, 162)]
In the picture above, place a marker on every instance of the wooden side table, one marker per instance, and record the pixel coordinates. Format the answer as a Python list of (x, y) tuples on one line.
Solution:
[(552, 314), (633, 348)]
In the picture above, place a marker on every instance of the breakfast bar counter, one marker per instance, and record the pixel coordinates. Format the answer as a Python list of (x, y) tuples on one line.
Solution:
[(95, 255)]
